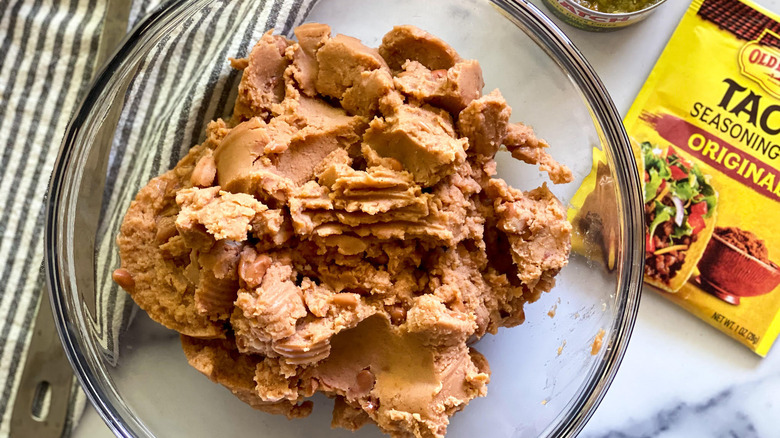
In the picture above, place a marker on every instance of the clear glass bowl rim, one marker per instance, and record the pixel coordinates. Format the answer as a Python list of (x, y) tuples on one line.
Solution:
[(538, 27)]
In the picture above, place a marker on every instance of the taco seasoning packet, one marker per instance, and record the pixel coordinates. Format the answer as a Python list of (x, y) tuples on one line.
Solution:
[(706, 134)]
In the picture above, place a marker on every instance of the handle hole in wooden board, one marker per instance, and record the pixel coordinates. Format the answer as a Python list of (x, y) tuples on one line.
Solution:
[(41, 401)]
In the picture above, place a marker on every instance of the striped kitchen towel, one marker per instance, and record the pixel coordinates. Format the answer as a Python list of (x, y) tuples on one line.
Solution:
[(47, 54)]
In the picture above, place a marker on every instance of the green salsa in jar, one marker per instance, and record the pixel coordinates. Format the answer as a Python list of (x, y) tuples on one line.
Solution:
[(602, 15), (616, 6)]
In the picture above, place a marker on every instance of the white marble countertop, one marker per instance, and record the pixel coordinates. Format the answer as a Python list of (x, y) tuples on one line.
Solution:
[(680, 377)]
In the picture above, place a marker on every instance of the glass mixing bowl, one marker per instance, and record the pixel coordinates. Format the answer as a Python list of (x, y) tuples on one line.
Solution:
[(150, 105)]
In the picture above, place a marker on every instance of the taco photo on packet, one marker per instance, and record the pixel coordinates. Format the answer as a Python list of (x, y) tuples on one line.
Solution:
[(680, 212)]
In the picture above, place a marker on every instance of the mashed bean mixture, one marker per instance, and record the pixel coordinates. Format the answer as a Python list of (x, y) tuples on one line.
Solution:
[(345, 232)]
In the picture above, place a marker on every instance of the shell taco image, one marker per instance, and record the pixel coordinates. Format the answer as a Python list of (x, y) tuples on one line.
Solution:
[(680, 212)]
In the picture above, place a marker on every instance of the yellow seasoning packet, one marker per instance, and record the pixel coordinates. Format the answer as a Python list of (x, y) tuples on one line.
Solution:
[(706, 131)]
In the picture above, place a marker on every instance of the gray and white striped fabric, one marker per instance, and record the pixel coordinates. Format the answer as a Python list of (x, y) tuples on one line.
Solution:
[(47, 57)]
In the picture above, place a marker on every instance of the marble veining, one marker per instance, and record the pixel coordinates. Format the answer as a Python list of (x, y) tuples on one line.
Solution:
[(730, 412)]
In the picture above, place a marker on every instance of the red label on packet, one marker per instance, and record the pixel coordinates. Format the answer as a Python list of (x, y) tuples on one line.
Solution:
[(718, 153)]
